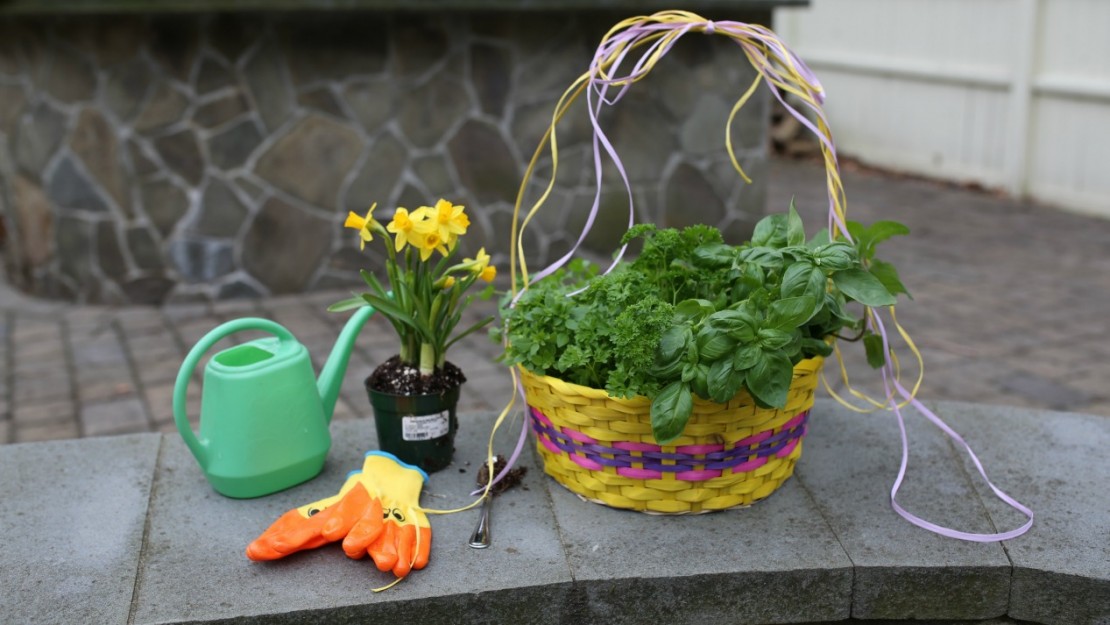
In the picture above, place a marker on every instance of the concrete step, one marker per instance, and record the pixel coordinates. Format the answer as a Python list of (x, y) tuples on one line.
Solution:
[(126, 530)]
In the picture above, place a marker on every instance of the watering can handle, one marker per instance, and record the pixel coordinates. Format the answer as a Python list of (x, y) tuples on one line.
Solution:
[(195, 445)]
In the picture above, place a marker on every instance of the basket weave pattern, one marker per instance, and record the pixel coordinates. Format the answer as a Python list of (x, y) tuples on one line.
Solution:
[(729, 455)]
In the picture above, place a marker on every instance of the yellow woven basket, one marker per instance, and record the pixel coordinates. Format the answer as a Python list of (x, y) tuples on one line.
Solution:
[(730, 455)]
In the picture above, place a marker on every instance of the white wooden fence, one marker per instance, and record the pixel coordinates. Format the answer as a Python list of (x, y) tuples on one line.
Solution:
[(1013, 94)]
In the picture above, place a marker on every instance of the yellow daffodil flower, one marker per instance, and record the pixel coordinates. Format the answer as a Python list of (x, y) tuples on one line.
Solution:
[(403, 225), (479, 263), (362, 224), (450, 220), (488, 274), (428, 241), (448, 282)]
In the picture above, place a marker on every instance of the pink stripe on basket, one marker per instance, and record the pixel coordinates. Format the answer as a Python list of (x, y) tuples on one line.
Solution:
[(579, 436), (552, 447), (789, 447), (698, 450), (795, 422), (639, 474), (697, 476), (754, 439), (634, 446), (750, 465), (542, 417), (586, 462)]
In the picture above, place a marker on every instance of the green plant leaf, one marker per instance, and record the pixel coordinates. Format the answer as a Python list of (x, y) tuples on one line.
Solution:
[(672, 345), (348, 304), (775, 339), (723, 382), (836, 256), (789, 313), (767, 229), (692, 310), (670, 411), (770, 378), (888, 275), (819, 239), (713, 343), (715, 254), (746, 357), (700, 384), (738, 324), (868, 237), (816, 347), (873, 345), (795, 229), (863, 287)]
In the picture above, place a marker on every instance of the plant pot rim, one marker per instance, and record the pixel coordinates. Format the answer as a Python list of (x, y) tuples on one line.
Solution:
[(366, 384)]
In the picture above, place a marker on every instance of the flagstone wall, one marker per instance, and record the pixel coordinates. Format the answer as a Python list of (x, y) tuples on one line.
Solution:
[(194, 157)]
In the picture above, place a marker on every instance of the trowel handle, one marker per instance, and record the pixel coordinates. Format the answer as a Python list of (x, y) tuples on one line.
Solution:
[(218, 333)]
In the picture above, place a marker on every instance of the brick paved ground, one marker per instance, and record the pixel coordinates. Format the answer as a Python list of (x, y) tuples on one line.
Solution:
[(1010, 307)]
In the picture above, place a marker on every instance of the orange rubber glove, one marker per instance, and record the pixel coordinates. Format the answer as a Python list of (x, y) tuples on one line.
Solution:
[(376, 512)]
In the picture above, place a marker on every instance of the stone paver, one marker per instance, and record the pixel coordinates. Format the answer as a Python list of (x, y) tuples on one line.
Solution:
[(1060, 570), (72, 545), (902, 572), (997, 314), (523, 576)]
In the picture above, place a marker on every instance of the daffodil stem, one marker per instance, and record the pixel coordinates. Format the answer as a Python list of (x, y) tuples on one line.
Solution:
[(427, 359)]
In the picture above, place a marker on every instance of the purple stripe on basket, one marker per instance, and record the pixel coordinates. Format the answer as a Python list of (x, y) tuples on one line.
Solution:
[(634, 446), (698, 450), (651, 462), (586, 462)]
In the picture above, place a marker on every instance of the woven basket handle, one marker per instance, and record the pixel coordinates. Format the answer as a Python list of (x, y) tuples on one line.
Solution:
[(641, 42)]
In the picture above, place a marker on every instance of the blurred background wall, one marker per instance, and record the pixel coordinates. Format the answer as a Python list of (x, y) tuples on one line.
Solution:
[(172, 151), (1010, 94)]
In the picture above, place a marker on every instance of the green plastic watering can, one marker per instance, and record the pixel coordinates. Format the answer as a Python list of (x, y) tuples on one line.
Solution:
[(264, 415)]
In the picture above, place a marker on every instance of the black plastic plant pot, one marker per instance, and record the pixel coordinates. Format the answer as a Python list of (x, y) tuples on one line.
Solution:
[(418, 429)]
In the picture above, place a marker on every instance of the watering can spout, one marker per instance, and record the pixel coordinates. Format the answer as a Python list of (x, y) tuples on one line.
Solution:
[(331, 376)]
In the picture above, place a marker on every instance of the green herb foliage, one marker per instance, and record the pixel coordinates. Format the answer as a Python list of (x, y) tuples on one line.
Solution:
[(693, 316)]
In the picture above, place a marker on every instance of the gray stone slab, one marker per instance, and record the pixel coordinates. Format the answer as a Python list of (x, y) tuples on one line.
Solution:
[(775, 562), (73, 520), (902, 571), (195, 568), (1056, 464)]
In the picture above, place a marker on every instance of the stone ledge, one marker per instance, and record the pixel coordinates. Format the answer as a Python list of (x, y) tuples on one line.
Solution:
[(42, 7), (128, 530)]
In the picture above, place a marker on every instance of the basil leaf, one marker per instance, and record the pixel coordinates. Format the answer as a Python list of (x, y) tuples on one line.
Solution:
[(738, 324), (836, 256), (868, 237), (714, 343), (775, 339), (888, 275), (701, 381), (746, 357), (873, 345), (863, 287), (816, 347), (767, 230), (770, 378), (715, 254), (724, 383), (692, 310), (670, 411), (789, 313), (673, 343), (796, 278), (795, 229)]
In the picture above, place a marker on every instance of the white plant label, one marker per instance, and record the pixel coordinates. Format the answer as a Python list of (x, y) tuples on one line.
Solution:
[(425, 427)]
